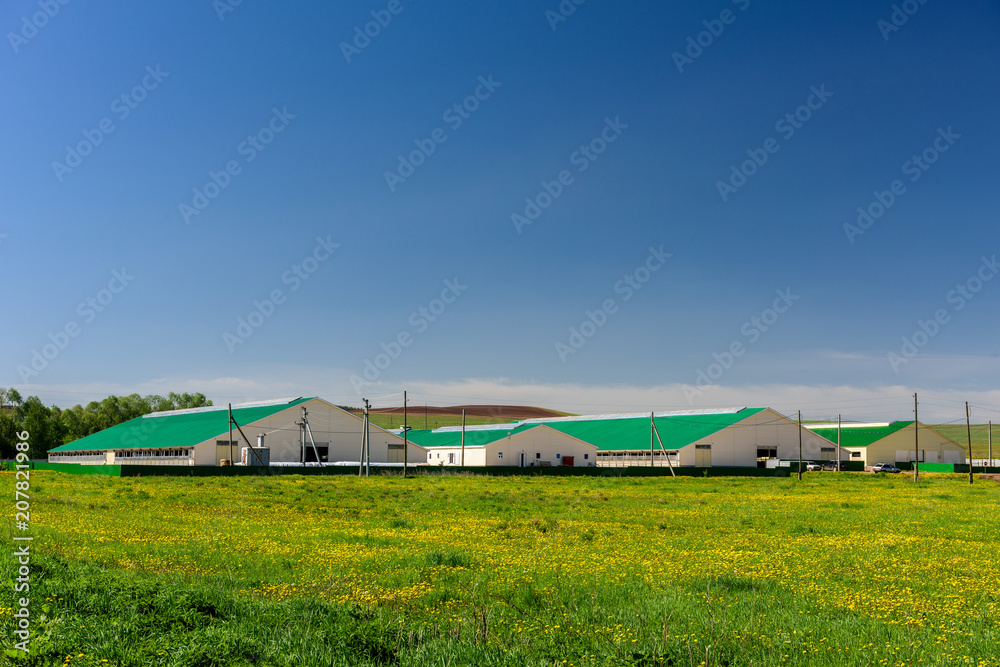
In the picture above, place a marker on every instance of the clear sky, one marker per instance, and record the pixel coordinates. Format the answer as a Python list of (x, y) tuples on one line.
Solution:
[(584, 206)]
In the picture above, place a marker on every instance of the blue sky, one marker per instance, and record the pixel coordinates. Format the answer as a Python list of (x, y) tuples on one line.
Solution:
[(325, 115)]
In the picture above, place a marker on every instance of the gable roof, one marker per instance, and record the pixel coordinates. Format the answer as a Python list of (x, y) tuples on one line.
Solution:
[(857, 435), (612, 432), (474, 436), (631, 432), (176, 429)]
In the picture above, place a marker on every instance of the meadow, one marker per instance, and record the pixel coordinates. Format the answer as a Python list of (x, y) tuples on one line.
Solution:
[(838, 569)]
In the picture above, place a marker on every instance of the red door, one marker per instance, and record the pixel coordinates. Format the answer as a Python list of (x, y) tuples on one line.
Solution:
[(567, 460)]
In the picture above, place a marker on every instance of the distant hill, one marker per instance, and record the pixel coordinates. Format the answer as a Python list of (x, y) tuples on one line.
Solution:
[(434, 416)]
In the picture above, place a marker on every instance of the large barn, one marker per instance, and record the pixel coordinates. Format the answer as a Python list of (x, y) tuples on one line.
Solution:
[(738, 437), (200, 436), (895, 442)]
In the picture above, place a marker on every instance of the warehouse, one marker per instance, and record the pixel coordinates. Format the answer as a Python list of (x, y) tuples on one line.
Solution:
[(522, 446), (200, 436), (895, 442), (736, 437)]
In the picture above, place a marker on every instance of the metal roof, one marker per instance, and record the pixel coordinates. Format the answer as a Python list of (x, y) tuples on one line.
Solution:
[(631, 433), (474, 437), (174, 430), (857, 435), (614, 432)]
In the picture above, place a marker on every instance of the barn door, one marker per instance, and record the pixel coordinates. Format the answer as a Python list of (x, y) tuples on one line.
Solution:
[(703, 456)]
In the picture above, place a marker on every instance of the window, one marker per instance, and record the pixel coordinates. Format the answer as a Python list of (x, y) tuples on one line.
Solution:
[(439, 454), (499, 455), (558, 456), (451, 457), (538, 455), (586, 456), (855, 455)]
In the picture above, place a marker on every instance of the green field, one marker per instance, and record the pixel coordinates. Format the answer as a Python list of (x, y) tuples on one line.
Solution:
[(980, 437), (837, 569)]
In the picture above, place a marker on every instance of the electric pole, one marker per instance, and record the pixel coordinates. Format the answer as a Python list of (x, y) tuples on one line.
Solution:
[(368, 440), (800, 445), (838, 443), (406, 447), (968, 433), (463, 436), (916, 437)]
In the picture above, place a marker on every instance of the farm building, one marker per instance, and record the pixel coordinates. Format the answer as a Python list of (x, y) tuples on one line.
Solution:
[(505, 445), (745, 437), (200, 436), (892, 442), (738, 437)]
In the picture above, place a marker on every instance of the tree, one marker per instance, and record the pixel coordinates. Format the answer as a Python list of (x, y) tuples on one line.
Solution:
[(186, 401), (51, 427)]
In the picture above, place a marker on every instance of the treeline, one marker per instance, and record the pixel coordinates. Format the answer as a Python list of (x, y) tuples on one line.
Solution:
[(52, 426)]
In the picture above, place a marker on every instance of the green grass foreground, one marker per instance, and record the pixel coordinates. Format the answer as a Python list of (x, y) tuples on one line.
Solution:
[(839, 569)]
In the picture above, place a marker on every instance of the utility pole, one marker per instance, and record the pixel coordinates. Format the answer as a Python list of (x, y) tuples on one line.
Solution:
[(368, 440), (231, 460), (651, 425), (916, 437), (838, 443), (463, 436), (406, 447), (800, 445), (968, 433)]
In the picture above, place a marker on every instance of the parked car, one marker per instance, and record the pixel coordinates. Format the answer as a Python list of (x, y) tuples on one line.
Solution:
[(832, 465), (885, 467), (812, 465)]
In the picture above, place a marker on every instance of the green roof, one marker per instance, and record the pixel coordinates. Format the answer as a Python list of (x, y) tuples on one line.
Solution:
[(473, 437), (632, 433), (860, 436), (611, 434), (173, 430)]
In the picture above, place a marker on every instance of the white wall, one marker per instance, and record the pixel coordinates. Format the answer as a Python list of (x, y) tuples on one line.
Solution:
[(540, 445), (737, 445), (342, 430)]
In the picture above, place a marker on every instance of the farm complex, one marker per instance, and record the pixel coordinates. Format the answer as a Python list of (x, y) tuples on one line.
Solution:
[(312, 431)]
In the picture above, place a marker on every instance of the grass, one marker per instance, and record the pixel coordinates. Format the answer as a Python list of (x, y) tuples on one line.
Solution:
[(980, 437), (451, 569)]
